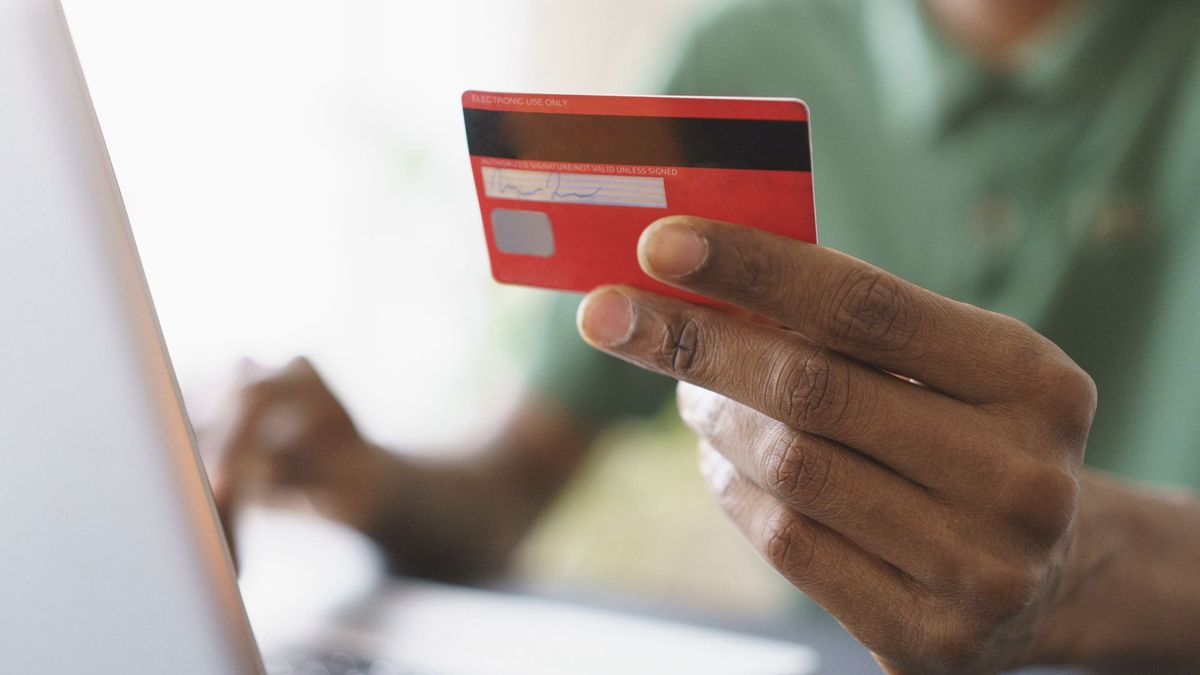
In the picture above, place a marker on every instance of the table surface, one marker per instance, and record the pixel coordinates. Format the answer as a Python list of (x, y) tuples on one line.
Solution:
[(839, 651), (305, 578)]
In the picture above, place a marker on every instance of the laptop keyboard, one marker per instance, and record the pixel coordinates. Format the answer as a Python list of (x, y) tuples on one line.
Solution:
[(337, 662)]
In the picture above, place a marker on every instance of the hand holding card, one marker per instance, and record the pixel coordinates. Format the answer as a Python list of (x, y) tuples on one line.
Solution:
[(567, 183)]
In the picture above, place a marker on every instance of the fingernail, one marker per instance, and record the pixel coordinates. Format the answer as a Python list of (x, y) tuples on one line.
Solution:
[(606, 317), (696, 405), (671, 249), (718, 471)]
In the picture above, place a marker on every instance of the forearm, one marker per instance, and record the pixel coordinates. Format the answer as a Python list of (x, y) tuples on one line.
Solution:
[(1132, 600), (426, 527), (462, 518)]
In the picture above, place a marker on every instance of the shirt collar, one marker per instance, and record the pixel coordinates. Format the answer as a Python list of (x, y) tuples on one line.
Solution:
[(929, 85)]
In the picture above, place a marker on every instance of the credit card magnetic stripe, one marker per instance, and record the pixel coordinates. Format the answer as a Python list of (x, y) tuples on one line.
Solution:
[(769, 145)]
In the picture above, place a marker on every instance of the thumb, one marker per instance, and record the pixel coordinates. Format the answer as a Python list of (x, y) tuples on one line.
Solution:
[(887, 666)]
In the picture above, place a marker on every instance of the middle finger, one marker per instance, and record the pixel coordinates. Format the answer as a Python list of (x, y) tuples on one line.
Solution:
[(880, 511), (787, 377)]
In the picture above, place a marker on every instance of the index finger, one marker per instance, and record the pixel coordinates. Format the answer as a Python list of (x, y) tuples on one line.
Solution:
[(852, 307)]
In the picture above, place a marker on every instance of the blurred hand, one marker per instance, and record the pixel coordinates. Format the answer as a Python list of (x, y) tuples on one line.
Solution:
[(283, 429), (456, 516), (934, 520)]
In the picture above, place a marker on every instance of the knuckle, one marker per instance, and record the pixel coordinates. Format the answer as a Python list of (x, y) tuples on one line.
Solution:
[(814, 391), (1079, 399), (680, 349), (801, 475), (996, 589), (956, 630), (1042, 498), (789, 547), (1068, 398), (1005, 591), (873, 307), (754, 274)]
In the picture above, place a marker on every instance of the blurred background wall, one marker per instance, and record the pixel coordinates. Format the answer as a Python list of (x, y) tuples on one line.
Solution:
[(297, 179)]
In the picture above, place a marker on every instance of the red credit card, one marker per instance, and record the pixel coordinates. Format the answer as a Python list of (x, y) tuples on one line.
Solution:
[(568, 183)]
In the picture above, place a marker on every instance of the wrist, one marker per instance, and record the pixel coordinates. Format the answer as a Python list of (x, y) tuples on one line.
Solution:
[(442, 519), (1127, 600), (359, 485), (1067, 633)]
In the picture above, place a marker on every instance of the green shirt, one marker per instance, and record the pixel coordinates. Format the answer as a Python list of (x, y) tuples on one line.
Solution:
[(1066, 193)]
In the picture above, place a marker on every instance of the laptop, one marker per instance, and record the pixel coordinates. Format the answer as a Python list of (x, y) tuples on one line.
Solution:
[(113, 559)]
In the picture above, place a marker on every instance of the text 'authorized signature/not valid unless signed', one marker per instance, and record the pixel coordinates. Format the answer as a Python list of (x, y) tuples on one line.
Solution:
[(579, 188)]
